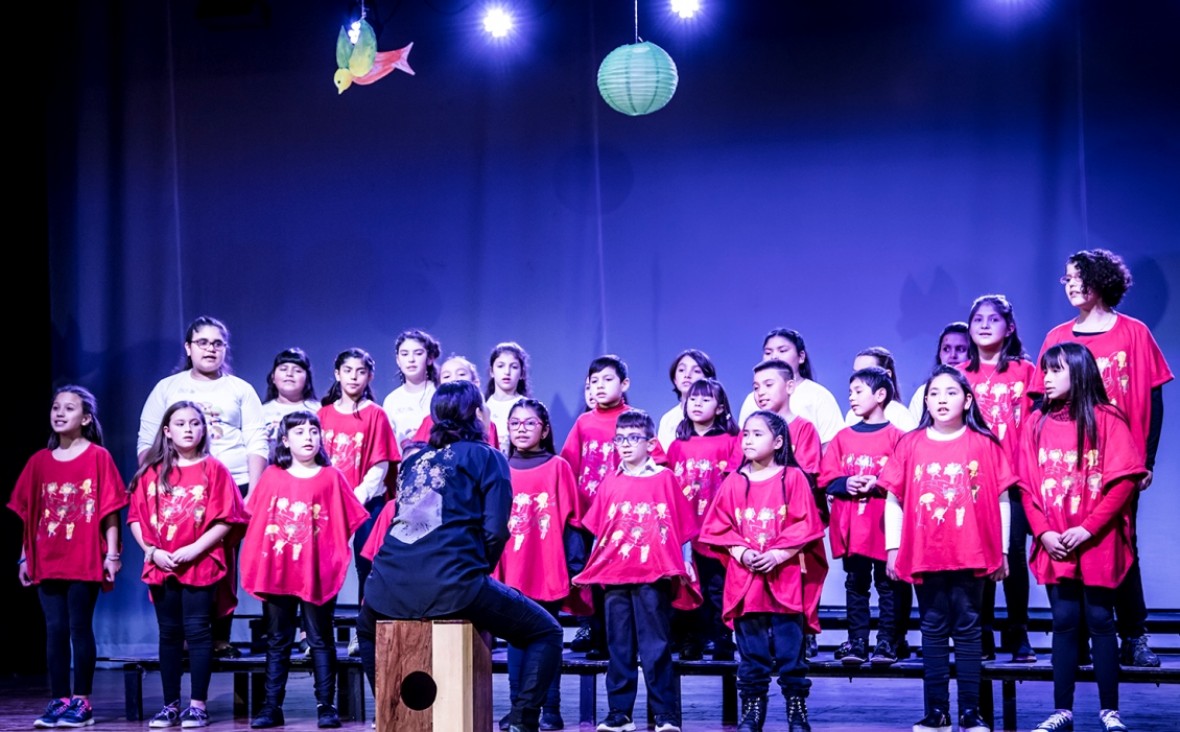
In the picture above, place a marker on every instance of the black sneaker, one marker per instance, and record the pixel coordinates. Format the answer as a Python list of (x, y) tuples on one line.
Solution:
[(326, 717), (77, 714), (169, 716), (53, 712), (853, 652), (1059, 721), (811, 647), (1135, 652), (883, 653), (1024, 652), (667, 723), (267, 717), (936, 721), (1110, 721), (797, 714), (616, 721), (988, 646), (971, 721), (194, 717), (551, 719), (582, 641)]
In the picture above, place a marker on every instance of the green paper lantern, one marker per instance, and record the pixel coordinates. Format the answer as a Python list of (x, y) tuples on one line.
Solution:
[(638, 78)]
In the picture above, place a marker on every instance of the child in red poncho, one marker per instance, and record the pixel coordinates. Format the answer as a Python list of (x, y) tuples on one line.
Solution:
[(765, 525), (184, 505), (850, 466), (1081, 466), (946, 532), (641, 560), (544, 507), (295, 559), (68, 497)]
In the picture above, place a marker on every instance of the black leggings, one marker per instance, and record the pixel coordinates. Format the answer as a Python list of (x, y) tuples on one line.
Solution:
[(69, 621), (1070, 599)]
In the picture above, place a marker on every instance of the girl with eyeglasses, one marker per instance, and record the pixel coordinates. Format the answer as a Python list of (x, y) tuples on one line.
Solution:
[(235, 427)]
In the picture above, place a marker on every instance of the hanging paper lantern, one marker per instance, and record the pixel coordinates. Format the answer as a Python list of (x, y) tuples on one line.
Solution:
[(638, 78)]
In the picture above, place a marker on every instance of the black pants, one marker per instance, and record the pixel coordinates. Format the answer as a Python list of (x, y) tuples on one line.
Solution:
[(771, 644), (282, 618), (364, 566), (950, 605), (505, 613), (1130, 609), (638, 632), (69, 623), (894, 600), (516, 658), (1072, 602), (183, 614)]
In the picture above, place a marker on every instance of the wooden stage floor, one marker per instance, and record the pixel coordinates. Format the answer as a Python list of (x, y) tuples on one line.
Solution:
[(863, 705)]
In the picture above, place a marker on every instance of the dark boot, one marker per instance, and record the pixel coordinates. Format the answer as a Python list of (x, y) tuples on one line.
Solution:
[(797, 714), (753, 713)]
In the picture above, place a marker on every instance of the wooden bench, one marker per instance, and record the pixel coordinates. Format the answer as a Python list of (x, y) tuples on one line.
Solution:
[(250, 682)]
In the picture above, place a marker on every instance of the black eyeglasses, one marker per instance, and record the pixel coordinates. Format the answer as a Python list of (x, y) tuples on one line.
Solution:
[(205, 344), (630, 439)]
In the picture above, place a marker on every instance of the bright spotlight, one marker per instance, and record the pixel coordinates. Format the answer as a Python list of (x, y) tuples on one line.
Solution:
[(497, 21), (686, 8)]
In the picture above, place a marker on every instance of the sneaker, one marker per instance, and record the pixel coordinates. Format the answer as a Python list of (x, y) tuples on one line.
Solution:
[(597, 654), (224, 649), (551, 720), (1022, 651), (971, 721), (53, 712), (883, 653), (1135, 652), (853, 652), (988, 646), (304, 647), (797, 714), (904, 650), (936, 721), (194, 717), (723, 649), (169, 716), (326, 717), (691, 652), (267, 717), (505, 721), (1110, 721), (616, 721), (582, 641), (1059, 721), (77, 714), (667, 723), (811, 646), (354, 645)]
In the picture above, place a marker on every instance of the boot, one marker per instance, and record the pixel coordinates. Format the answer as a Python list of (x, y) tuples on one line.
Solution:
[(797, 714), (753, 713)]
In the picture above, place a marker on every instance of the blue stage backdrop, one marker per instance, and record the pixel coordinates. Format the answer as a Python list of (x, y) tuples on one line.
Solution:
[(857, 171)]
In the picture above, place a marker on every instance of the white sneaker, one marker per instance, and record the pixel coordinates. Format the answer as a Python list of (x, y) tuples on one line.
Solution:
[(354, 645)]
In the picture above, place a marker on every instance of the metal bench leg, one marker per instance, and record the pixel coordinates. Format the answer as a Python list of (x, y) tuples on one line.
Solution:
[(987, 704), (1008, 691), (133, 691), (350, 693), (588, 699), (729, 700)]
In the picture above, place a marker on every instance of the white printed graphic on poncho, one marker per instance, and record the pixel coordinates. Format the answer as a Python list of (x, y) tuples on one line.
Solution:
[(64, 506), (945, 491), (530, 514)]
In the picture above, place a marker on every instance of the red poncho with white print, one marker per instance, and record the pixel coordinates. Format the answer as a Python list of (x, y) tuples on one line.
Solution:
[(297, 541), (950, 495), (356, 441), (858, 522), (805, 445), (1131, 365), (62, 504), (775, 513), (197, 496), (1092, 490), (590, 449), (1003, 399), (544, 499), (700, 463), (641, 527)]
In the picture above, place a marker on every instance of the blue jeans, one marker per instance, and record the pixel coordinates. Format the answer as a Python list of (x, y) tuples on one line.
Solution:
[(184, 614), (771, 644), (951, 604), (516, 658), (69, 621), (281, 612), (505, 613), (638, 621)]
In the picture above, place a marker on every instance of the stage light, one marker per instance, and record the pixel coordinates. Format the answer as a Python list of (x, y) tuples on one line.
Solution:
[(686, 8), (497, 21)]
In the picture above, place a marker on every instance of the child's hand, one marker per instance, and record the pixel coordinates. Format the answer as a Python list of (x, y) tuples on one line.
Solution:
[(164, 560), (891, 565), (22, 573), (855, 485), (749, 557), (1000, 573), (1073, 538), (765, 562), (184, 554), (870, 484), (1051, 540), (110, 567)]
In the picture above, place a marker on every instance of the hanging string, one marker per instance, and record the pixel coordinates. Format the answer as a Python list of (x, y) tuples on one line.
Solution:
[(637, 21), (1083, 199), (172, 123)]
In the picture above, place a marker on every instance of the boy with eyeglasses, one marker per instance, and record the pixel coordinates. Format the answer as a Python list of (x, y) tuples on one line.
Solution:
[(643, 562)]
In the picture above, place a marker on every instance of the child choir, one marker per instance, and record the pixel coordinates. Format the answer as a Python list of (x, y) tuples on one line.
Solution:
[(700, 529)]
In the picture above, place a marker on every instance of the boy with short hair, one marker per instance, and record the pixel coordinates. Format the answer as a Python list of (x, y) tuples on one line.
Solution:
[(849, 470), (642, 561)]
